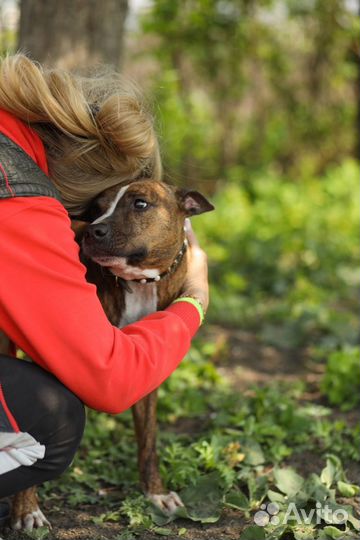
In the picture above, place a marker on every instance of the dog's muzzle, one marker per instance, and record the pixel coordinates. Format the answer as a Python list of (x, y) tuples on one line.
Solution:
[(99, 244)]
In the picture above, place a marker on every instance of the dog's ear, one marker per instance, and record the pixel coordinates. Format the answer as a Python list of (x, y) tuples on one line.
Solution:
[(193, 202)]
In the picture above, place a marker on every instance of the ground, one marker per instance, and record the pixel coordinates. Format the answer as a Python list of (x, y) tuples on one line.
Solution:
[(247, 361)]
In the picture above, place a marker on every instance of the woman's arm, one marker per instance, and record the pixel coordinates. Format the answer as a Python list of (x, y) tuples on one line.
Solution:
[(49, 310)]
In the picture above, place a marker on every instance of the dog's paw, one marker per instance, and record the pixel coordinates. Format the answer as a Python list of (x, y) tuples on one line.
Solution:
[(31, 520), (167, 502)]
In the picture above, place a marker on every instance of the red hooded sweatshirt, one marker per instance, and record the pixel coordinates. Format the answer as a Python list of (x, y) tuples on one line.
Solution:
[(48, 309)]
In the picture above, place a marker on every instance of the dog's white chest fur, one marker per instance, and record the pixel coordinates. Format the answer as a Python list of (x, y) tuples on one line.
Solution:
[(141, 302)]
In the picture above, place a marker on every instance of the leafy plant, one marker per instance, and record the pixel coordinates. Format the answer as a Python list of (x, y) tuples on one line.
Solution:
[(341, 382), (306, 508)]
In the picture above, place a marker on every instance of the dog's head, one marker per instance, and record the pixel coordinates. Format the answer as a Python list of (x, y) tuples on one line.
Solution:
[(136, 230)]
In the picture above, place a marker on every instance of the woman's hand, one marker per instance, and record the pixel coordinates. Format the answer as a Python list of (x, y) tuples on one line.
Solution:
[(196, 283)]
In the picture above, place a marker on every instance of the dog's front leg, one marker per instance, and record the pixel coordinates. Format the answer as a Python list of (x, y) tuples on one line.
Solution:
[(25, 511), (144, 414)]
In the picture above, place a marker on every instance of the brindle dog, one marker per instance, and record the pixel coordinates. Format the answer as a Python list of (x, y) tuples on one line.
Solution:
[(134, 250)]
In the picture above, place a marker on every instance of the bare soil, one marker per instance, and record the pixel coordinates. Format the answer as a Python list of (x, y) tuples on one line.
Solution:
[(70, 524)]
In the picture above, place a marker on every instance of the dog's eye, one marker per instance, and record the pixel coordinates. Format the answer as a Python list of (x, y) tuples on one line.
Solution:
[(140, 204)]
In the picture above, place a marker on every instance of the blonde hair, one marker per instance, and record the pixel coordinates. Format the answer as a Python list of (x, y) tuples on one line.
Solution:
[(96, 129)]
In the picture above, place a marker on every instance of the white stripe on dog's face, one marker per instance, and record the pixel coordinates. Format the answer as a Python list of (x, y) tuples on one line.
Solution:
[(112, 206)]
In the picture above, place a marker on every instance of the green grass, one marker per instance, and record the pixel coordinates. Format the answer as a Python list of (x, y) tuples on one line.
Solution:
[(231, 459)]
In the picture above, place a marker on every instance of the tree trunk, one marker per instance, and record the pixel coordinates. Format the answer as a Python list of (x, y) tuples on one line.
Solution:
[(73, 33), (357, 146)]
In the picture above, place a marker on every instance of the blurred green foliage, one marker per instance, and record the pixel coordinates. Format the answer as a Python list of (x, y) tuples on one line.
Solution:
[(242, 84), (342, 378), (257, 104), (287, 258)]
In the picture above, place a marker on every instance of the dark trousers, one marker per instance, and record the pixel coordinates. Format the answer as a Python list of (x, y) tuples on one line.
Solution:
[(48, 411)]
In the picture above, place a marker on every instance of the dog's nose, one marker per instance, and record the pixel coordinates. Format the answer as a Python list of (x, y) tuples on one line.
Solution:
[(98, 231)]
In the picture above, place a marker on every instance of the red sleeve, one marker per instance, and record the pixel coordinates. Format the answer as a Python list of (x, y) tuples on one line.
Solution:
[(49, 310), (24, 136)]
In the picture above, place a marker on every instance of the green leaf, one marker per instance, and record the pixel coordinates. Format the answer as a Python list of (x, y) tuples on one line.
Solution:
[(162, 531), (354, 521), (203, 499), (333, 532), (126, 535), (316, 489), (347, 490), (275, 496), (304, 532), (322, 535), (258, 488), (300, 498), (202, 502), (160, 519), (108, 516), (277, 532), (253, 533), (253, 453), (38, 534), (237, 499), (288, 481), (332, 472)]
